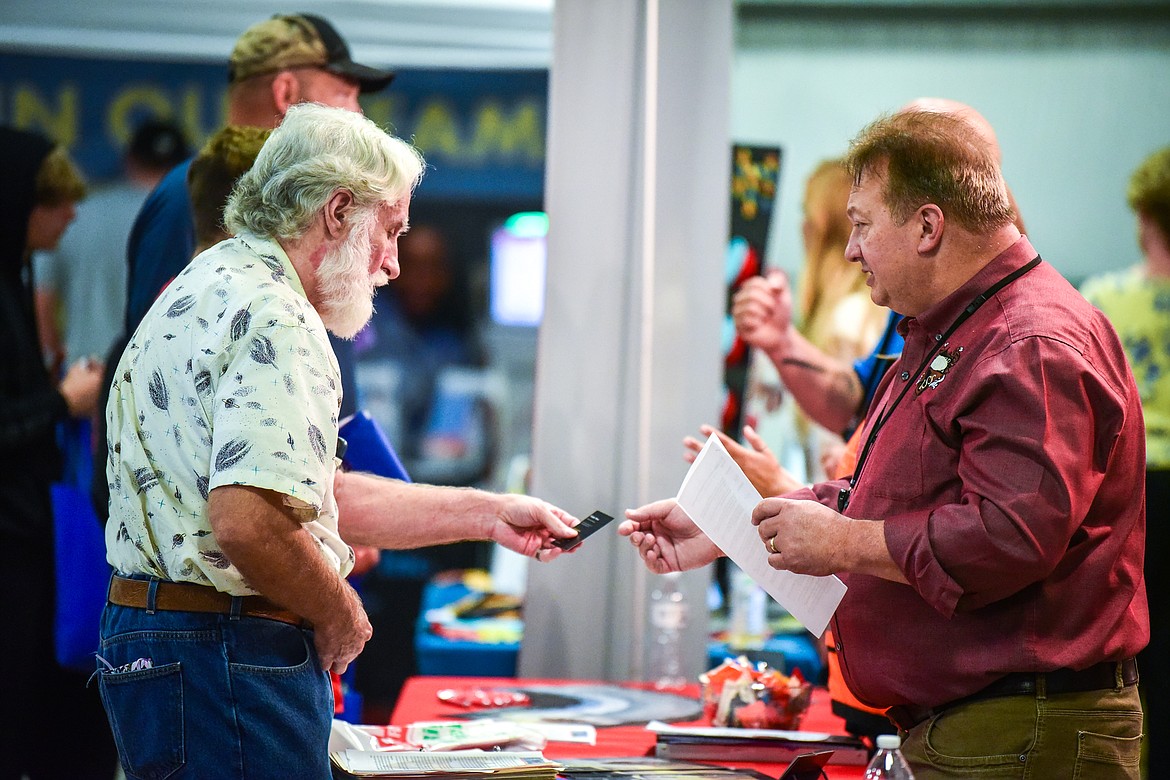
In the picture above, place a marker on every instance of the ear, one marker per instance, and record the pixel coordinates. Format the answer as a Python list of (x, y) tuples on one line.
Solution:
[(286, 91), (932, 221), (336, 211)]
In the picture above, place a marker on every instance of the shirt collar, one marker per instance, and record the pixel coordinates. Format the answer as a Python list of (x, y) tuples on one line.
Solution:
[(270, 249), (940, 316)]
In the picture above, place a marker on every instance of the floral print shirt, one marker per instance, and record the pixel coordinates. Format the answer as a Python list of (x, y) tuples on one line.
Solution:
[(1138, 306), (229, 380)]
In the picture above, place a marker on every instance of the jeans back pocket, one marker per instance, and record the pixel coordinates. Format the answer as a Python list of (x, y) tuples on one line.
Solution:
[(145, 707)]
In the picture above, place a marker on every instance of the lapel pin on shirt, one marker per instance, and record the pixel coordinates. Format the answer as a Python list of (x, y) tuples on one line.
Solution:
[(937, 371)]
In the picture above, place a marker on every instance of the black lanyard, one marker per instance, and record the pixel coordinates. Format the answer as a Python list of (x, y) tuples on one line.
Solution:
[(940, 342)]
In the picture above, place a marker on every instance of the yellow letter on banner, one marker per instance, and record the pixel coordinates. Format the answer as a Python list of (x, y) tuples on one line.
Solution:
[(379, 109), (191, 110), (436, 132), (495, 136), (32, 112), (121, 115)]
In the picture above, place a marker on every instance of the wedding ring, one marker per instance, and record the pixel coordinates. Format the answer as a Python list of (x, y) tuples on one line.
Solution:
[(772, 544)]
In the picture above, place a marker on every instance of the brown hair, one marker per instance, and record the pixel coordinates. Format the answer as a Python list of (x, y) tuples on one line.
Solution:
[(933, 158), (214, 171), (58, 180), (1149, 190)]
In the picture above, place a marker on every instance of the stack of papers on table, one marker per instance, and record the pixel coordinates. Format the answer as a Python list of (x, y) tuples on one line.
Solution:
[(467, 764), (750, 745), (456, 735), (643, 768)]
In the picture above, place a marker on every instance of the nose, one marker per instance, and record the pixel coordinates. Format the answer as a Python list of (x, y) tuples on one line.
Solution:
[(390, 263), (853, 248)]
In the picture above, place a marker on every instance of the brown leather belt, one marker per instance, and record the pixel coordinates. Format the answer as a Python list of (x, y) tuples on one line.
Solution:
[(188, 597), (1098, 677)]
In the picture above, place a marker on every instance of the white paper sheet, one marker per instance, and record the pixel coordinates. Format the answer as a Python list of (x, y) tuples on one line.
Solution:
[(439, 763), (718, 496), (658, 727)]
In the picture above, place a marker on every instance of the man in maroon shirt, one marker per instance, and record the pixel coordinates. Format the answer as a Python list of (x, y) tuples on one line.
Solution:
[(993, 532)]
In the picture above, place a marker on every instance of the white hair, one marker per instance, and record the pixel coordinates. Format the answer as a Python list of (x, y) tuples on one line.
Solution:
[(316, 151)]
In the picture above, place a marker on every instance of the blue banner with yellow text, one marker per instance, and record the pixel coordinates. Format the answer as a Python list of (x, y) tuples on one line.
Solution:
[(482, 132)]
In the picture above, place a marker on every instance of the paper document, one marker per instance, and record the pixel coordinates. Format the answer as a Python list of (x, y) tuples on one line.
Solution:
[(719, 498), (658, 727), (460, 761)]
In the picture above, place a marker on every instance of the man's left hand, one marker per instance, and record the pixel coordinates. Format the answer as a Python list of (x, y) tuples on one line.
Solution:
[(802, 536)]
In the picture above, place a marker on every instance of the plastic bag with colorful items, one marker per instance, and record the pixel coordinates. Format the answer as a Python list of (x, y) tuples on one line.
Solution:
[(738, 693)]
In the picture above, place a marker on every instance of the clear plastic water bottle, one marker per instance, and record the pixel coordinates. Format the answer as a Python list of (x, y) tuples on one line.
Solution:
[(888, 762), (748, 625), (668, 618)]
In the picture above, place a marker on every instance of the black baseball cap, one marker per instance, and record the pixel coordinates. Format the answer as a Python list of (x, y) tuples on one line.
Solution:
[(158, 143)]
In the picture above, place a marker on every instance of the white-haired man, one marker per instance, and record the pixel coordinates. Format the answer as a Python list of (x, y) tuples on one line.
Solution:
[(229, 603)]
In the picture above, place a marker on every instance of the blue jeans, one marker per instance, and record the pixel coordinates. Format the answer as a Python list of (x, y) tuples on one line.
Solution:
[(194, 695)]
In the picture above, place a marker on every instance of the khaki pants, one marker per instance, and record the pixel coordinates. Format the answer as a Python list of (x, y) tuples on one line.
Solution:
[(1090, 735)]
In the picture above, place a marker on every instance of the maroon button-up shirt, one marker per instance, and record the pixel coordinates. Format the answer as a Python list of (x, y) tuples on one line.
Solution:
[(1012, 490)]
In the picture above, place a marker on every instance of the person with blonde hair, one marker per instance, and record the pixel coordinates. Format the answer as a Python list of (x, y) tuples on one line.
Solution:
[(836, 313), (836, 317)]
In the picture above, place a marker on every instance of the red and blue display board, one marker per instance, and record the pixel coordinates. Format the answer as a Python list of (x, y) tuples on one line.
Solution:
[(755, 175)]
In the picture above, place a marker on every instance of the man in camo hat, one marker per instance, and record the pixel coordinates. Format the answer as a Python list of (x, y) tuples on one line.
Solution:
[(275, 64), (296, 41)]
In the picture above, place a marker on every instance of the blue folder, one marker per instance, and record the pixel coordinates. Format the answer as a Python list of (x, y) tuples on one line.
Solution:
[(367, 448)]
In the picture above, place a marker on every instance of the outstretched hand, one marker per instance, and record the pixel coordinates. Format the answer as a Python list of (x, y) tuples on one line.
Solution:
[(666, 538), (759, 465), (529, 526)]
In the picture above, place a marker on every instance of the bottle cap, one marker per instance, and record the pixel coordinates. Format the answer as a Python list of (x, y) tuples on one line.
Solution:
[(889, 742)]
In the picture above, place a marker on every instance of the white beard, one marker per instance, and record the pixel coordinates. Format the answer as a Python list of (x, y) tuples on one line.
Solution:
[(345, 287)]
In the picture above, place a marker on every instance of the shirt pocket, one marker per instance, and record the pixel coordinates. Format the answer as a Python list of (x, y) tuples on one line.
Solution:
[(895, 470)]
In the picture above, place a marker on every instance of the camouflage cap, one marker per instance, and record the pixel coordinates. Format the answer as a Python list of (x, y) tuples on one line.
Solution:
[(299, 41)]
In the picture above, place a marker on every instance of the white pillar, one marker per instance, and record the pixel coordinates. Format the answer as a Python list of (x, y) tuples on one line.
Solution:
[(628, 362)]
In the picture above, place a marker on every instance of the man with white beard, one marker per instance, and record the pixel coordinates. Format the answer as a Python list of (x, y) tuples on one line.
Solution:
[(229, 604)]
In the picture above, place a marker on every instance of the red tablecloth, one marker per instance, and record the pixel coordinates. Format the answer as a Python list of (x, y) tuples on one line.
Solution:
[(419, 702)]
